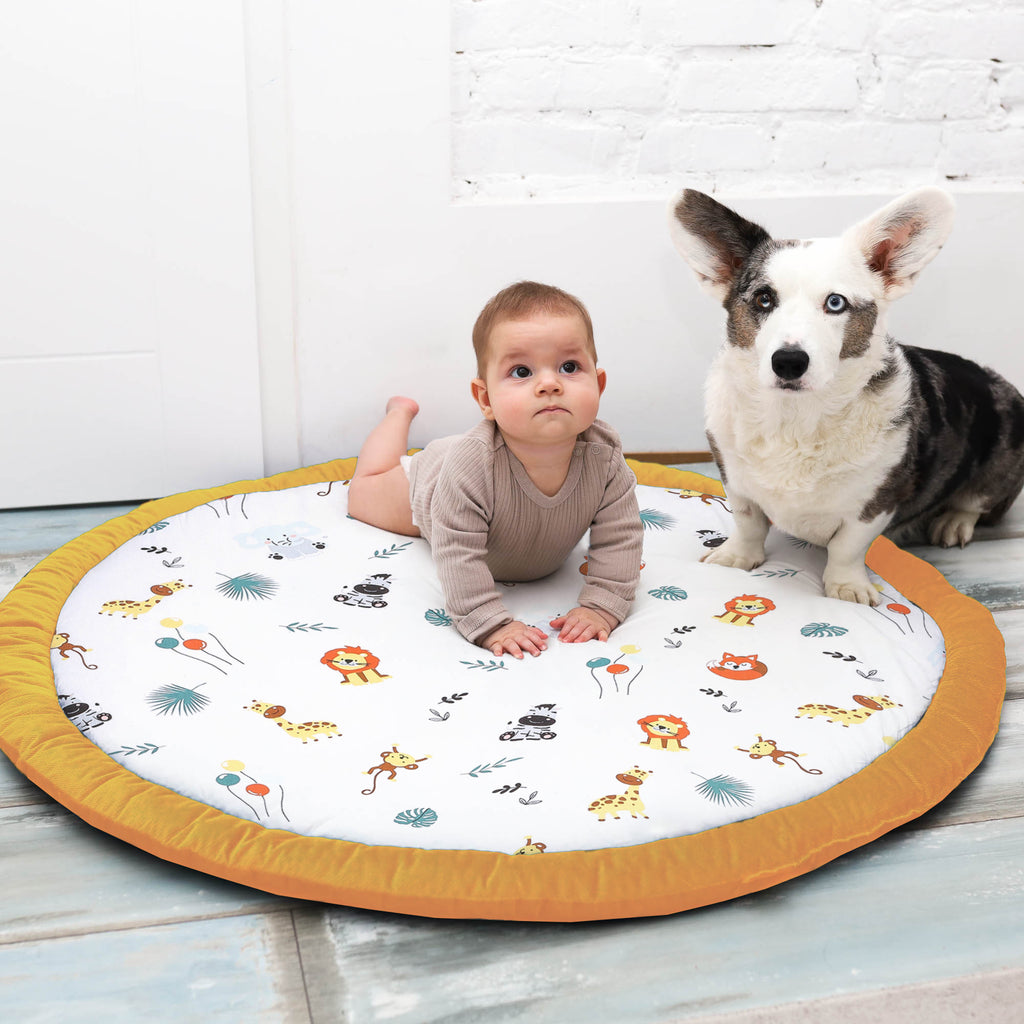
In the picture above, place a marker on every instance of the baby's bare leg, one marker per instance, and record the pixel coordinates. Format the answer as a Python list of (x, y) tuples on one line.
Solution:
[(379, 491)]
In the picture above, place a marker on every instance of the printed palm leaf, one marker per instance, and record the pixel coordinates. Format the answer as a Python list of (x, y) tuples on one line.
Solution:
[(822, 629), (177, 700), (653, 519), (250, 586), (162, 525), (437, 617), (668, 593), (417, 817), (724, 789)]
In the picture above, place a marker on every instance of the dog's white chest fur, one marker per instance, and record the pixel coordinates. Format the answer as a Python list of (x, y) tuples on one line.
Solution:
[(809, 468)]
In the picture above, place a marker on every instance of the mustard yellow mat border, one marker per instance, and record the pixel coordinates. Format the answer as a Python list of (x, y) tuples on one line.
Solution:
[(656, 878)]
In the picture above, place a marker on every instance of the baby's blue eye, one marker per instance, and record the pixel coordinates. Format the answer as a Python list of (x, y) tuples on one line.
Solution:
[(570, 366), (836, 303), (520, 372)]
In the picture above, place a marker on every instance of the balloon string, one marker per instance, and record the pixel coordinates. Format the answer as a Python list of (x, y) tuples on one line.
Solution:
[(240, 800), (225, 650), (200, 660)]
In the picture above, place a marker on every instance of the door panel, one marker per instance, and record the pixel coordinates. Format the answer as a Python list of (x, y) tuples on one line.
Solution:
[(128, 346)]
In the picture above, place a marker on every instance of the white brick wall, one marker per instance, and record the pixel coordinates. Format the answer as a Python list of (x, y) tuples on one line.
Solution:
[(561, 99)]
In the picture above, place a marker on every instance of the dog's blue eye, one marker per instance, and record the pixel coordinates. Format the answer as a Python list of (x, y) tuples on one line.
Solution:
[(764, 299), (836, 303)]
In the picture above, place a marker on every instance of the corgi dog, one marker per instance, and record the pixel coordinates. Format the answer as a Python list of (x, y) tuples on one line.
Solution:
[(819, 421)]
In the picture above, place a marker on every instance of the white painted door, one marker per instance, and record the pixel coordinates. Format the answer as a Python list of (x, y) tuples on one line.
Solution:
[(128, 347), (390, 273)]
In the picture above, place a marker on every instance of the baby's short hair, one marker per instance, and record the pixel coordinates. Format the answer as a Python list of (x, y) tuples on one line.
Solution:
[(520, 301)]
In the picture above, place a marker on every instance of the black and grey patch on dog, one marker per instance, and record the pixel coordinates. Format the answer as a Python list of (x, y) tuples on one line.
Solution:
[(965, 436), (731, 237), (859, 329), (743, 324), (753, 276), (744, 317), (885, 375), (716, 454)]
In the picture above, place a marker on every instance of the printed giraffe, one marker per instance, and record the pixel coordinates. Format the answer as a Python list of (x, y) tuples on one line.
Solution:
[(134, 609), (629, 801), (852, 716), (300, 730)]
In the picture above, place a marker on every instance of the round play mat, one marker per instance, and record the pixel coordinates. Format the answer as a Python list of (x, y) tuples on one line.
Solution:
[(250, 683)]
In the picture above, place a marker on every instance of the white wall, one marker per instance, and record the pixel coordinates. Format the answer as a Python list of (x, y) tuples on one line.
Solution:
[(408, 159), (439, 149), (556, 99)]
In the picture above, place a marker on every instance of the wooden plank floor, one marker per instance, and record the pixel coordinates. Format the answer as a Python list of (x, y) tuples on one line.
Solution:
[(926, 924)]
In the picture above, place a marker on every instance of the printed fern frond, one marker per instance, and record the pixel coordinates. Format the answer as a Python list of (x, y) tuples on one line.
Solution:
[(142, 748), (724, 789), (393, 550), (486, 769), (177, 700), (250, 586), (653, 519)]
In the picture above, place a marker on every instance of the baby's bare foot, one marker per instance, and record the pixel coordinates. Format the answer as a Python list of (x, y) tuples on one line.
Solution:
[(409, 405)]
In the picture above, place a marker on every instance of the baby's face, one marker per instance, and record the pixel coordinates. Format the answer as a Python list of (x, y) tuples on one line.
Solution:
[(542, 385)]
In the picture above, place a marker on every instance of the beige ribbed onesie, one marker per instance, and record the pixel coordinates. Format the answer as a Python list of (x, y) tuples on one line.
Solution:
[(486, 520)]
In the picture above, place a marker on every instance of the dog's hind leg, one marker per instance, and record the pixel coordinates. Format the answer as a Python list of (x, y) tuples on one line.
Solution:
[(953, 528), (744, 548)]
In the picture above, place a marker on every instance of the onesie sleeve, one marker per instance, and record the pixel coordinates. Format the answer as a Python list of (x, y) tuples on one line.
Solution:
[(460, 509), (616, 544)]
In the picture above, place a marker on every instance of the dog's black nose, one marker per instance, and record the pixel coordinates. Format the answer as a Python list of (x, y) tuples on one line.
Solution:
[(790, 363)]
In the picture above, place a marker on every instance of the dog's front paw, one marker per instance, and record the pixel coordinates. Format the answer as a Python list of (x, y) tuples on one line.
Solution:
[(855, 589), (735, 556)]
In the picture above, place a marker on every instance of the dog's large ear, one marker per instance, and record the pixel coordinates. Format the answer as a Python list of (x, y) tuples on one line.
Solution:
[(901, 239), (713, 239)]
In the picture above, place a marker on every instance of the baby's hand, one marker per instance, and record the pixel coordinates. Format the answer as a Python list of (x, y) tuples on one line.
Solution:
[(514, 638), (582, 624)]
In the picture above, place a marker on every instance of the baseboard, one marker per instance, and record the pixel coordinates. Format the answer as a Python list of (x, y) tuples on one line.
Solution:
[(670, 458)]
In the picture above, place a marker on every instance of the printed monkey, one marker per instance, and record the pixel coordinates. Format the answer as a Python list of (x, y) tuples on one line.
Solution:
[(768, 748), (61, 643), (530, 848), (705, 498), (391, 761)]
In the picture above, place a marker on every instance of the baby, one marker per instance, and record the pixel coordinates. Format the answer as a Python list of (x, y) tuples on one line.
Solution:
[(510, 499)]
